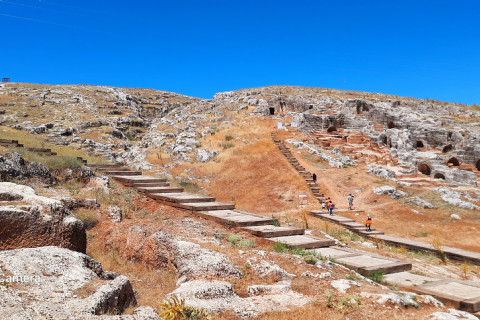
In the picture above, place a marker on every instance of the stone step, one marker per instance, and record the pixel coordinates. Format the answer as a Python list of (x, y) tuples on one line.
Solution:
[(8, 141), (365, 263), (354, 226), (95, 165), (134, 180), (181, 197), (205, 206), (150, 184), (334, 218), (123, 173), (369, 233), (273, 231), (460, 294), (303, 241), (160, 190), (102, 169), (452, 253), (234, 218), (336, 211)]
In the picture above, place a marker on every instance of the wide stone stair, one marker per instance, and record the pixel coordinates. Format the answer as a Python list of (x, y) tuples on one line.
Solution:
[(207, 207)]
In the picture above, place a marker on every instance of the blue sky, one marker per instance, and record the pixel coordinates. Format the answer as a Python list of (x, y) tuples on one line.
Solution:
[(409, 48)]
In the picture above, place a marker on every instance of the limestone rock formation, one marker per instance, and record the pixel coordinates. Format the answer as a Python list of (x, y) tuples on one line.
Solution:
[(390, 191), (60, 284), (204, 155), (37, 221)]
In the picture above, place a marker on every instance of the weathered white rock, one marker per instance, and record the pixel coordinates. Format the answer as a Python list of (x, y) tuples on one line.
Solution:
[(217, 296), (453, 197), (452, 314), (455, 216), (343, 285), (390, 191), (316, 275), (204, 155), (381, 172), (54, 274), (277, 288), (115, 213), (421, 203), (265, 268), (402, 298)]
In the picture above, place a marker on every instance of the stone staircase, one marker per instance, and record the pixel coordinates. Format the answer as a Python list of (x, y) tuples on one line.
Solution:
[(462, 294), (303, 172), (208, 208), (44, 151)]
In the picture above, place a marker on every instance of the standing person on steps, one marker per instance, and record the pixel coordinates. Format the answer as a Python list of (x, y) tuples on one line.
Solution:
[(349, 198), (368, 223), (314, 178), (331, 206)]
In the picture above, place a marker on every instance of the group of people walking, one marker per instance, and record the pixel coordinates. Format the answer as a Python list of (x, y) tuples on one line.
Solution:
[(329, 205)]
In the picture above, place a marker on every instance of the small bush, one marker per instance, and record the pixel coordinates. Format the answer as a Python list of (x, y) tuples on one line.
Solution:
[(228, 137), (246, 244), (437, 245), (173, 308), (280, 247), (226, 145), (310, 259), (377, 276), (234, 239), (275, 221)]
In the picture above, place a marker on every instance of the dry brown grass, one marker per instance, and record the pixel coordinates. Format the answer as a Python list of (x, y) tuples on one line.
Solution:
[(36, 141)]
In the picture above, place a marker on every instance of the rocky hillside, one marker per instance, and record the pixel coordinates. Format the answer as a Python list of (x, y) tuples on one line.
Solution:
[(412, 164)]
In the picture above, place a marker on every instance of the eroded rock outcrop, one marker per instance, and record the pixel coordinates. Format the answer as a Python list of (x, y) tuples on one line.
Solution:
[(37, 221), (62, 284)]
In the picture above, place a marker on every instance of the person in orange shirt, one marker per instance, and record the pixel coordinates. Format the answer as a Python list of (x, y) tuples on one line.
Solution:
[(368, 223)]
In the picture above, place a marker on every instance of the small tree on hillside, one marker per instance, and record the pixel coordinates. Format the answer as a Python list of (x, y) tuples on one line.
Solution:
[(359, 106)]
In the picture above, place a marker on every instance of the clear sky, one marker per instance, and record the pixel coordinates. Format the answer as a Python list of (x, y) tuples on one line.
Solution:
[(409, 48)]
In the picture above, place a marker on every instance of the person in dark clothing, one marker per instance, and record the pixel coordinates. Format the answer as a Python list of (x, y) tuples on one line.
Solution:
[(314, 178)]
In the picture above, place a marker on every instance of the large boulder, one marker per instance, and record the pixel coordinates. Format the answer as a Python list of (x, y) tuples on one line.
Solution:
[(382, 172), (37, 221), (40, 171), (62, 284), (390, 191), (11, 166)]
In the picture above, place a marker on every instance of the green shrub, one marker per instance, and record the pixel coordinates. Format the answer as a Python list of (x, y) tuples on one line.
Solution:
[(377, 276), (233, 239), (280, 247), (275, 221), (246, 244), (228, 137), (310, 259)]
